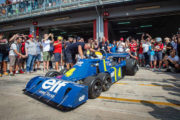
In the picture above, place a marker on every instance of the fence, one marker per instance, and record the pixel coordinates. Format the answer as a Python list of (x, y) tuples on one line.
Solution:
[(29, 8)]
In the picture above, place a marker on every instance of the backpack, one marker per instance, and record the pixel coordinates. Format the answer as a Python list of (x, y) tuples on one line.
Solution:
[(4, 48)]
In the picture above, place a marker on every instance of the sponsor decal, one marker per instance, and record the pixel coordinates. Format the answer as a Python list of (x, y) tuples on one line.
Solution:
[(53, 85), (81, 98), (112, 74), (79, 63)]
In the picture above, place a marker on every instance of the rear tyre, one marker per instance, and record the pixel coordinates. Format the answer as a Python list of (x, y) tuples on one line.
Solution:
[(94, 86), (52, 74), (106, 80), (131, 66)]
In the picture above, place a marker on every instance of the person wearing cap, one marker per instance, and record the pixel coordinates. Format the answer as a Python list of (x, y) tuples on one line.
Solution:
[(133, 47), (158, 47), (57, 52), (121, 45), (31, 52)]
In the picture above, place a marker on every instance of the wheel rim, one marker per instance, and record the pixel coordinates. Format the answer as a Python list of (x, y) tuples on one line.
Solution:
[(97, 89), (107, 82)]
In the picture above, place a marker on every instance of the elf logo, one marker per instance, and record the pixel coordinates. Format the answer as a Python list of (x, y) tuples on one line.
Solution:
[(53, 85)]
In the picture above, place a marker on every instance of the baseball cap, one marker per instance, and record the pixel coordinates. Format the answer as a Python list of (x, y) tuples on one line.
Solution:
[(121, 38), (60, 38), (158, 39), (30, 36)]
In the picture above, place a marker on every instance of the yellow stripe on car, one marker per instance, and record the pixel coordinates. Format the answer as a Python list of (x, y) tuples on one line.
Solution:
[(115, 73), (119, 72), (70, 72), (104, 62)]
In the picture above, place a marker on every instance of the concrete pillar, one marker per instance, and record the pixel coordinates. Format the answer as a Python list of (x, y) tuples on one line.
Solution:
[(99, 26)]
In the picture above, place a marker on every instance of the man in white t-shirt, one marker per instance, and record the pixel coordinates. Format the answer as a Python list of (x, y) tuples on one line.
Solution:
[(14, 54), (46, 48), (172, 61)]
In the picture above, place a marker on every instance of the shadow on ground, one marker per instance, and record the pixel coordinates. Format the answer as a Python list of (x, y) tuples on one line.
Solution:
[(167, 112)]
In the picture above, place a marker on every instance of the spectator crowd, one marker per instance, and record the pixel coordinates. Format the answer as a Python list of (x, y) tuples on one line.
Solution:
[(24, 53), (14, 7)]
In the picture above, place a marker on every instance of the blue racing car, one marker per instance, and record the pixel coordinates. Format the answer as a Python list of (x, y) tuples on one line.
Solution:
[(86, 79)]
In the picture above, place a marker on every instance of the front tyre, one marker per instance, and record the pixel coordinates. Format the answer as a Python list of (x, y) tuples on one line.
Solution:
[(52, 74), (94, 86), (106, 80)]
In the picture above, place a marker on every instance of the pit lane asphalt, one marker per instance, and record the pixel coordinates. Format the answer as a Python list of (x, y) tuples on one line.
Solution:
[(146, 96)]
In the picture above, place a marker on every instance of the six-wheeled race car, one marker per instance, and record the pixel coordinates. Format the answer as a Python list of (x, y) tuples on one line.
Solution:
[(86, 79)]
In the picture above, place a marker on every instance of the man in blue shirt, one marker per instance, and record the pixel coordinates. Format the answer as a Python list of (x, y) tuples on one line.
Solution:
[(113, 47)]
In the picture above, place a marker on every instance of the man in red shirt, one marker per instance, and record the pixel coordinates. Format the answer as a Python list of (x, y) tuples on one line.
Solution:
[(141, 55), (57, 52), (133, 47)]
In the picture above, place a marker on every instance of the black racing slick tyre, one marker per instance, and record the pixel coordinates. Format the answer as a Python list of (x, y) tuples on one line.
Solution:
[(52, 74), (131, 66), (106, 80), (94, 86)]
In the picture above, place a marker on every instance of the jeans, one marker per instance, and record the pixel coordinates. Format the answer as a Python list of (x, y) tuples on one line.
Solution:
[(30, 63), (146, 56)]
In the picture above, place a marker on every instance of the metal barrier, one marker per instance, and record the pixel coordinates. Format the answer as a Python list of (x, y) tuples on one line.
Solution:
[(29, 8)]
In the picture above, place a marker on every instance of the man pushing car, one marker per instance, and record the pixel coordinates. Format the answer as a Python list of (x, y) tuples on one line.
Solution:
[(76, 48)]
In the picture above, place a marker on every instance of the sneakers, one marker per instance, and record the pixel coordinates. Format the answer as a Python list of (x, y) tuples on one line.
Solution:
[(147, 66), (5, 73), (21, 72), (11, 74), (159, 70), (17, 72), (0, 75)]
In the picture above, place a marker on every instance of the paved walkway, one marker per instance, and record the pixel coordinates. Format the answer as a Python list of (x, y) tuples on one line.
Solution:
[(146, 96)]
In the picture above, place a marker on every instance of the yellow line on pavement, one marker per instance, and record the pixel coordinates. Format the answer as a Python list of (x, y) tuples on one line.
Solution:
[(140, 101), (147, 85), (122, 83), (155, 85)]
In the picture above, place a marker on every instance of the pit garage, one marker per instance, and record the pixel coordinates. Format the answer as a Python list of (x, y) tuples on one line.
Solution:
[(155, 25), (83, 29)]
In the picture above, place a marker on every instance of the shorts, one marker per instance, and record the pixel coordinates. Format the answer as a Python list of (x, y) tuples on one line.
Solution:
[(38, 57), (134, 53), (63, 55), (46, 56), (13, 60), (151, 57), (3, 57), (70, 58), (158, 55), (141, 56), (57, 57)]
